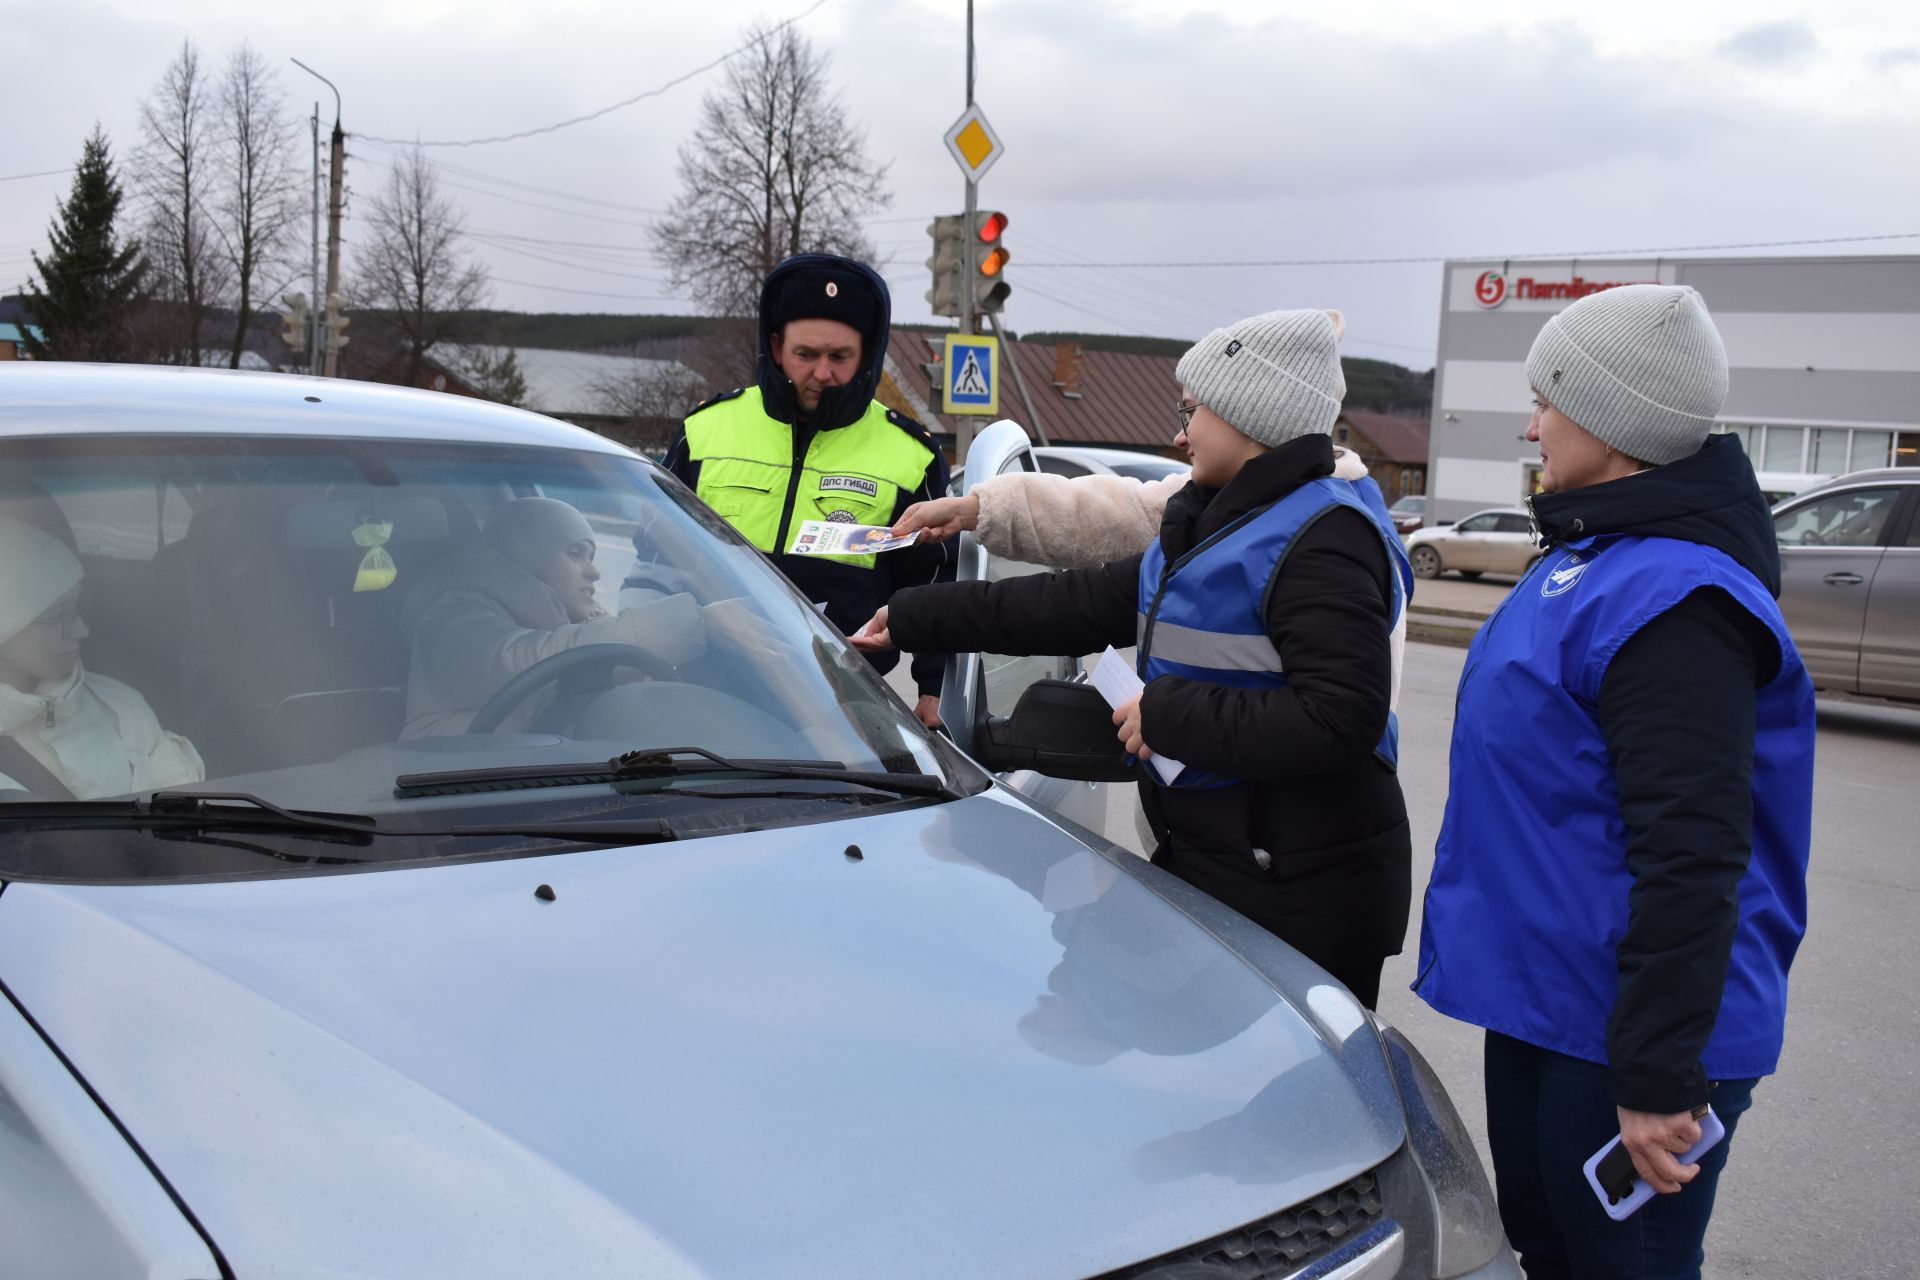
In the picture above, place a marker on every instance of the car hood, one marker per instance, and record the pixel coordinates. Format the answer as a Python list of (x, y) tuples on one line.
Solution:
[(979, 1048)]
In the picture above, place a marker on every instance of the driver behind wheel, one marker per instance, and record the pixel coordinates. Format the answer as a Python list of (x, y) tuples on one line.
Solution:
[(524, 593), (68, 733)]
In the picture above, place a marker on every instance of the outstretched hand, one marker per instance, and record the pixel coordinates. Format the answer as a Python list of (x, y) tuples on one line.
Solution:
[(874, 636), (1127, 716), (939, 519)]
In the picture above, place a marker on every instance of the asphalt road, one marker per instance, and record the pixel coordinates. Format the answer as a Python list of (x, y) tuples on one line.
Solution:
[(1824, 1172)]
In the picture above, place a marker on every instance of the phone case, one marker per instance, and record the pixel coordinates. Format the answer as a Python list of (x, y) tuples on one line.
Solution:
[(1639, 1192)]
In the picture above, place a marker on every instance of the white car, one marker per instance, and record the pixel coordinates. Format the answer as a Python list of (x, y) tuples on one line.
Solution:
[(1498, 540), (1072, 461)]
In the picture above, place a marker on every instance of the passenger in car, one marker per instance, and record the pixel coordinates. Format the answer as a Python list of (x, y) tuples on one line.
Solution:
[(524, 593), (68, 733), (1268, 601)]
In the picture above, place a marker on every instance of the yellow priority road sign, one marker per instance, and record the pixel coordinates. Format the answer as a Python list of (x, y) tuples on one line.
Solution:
[(972, 374), (974, 144)]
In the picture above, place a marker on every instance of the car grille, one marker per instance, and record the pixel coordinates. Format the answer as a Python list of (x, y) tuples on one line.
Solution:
[(1283, 1243)]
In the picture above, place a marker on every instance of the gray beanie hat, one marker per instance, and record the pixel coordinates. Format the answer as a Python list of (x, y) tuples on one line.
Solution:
[(1273, 377), (1640, 367), (528, 531)]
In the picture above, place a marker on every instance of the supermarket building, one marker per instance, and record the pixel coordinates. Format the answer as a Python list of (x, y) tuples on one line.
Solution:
[(1825, 357)]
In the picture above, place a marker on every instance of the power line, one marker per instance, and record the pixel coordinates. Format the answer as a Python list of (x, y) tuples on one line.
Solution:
[(595, 115), (478, 176), (1466, 257), (589, 293), (44, 173)]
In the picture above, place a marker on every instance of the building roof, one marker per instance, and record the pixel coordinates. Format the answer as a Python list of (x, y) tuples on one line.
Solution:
[(1398, 439), (571, 383), (1125, 400), (11, 332)]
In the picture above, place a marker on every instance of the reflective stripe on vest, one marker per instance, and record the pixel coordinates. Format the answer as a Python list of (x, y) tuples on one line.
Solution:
[(1529, 896), (1203, 617), (851, 475)]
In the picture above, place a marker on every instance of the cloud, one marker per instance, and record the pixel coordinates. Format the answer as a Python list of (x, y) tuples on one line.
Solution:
[(1772, 44), (1895, 59)]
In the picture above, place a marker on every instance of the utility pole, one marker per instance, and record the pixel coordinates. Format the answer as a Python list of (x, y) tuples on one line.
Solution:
[(973, 198), (313, 337), (337, 160)]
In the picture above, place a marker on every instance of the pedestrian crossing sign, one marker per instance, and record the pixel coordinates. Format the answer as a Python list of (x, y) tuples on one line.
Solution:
[(972, 374)]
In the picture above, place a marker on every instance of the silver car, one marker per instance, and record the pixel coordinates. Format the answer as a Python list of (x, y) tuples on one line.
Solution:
[(1498, 540), (1850, 581), (723, 969)]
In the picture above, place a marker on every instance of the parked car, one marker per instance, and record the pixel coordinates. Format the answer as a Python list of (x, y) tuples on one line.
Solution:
[(1498, 540), (1850, 581), (731, 971), (1781, 485), (1069, 460), (1409, 513)]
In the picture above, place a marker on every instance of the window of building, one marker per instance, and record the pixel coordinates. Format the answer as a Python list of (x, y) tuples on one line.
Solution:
[(1871, 449), (1783, 449)]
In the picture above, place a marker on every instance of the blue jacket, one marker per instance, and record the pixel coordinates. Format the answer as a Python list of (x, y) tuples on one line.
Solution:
[(1529, 899), (1203, 617)]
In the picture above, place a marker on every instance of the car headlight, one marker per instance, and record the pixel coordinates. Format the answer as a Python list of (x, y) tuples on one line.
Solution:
[(1467, 1232)]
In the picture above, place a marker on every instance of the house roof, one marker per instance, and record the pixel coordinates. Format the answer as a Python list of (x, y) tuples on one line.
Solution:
[(1125, 400), (569, 382), (1398, 439), (12, 332)]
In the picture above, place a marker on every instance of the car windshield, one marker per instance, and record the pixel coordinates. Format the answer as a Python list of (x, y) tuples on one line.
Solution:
[(308, 622)]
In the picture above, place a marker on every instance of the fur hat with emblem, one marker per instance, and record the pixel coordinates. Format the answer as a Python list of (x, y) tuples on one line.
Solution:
[(1273, 377)]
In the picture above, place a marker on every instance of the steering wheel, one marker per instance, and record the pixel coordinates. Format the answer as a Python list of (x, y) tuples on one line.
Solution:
[(588, 668), (1812, 538)]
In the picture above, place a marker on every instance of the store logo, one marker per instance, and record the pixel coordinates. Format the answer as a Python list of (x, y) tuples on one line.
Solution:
[(1490, 289)]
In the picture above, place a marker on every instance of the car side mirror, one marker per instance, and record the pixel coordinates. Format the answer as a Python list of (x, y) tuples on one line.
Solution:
[(1059, 728)]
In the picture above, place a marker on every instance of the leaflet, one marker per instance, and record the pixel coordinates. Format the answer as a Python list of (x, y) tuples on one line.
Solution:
[(1120, 684), (825, 538)]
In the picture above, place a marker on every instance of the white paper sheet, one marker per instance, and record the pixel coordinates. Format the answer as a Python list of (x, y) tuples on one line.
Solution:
[(1119, 684)]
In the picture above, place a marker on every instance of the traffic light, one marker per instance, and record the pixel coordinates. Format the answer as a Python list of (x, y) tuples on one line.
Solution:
[(295, 319), (989, 259), (334, 327), (947, 263)]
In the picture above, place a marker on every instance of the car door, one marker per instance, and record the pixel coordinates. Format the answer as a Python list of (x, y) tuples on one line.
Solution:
[(997, 680), (1890, 638), (1511, 546), (1830, 548), (1465, 545)]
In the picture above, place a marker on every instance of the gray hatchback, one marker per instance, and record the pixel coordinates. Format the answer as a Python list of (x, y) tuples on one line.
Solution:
[(1850, 581)]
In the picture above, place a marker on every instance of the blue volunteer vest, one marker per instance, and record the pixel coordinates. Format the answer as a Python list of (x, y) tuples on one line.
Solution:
[(1203, 617), (1528, 901)]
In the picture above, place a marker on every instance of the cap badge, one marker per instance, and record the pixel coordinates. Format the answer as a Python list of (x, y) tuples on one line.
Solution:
[(1233, 348), (833, 290), (1555, 377)]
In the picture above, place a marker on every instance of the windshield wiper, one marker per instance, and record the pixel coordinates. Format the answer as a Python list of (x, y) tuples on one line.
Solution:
[(655, 762), (186, 812)]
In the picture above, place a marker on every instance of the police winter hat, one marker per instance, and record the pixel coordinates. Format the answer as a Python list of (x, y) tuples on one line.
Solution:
[(1640, 367), (36, 569), (1273, 377), (825, 292), (528, 531)]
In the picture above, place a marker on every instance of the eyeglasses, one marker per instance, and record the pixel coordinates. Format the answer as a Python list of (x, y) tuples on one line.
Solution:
[(1186, 409), (64, 624)]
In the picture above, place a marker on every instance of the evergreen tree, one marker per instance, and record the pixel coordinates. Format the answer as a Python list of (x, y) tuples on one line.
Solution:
[(89, 285)]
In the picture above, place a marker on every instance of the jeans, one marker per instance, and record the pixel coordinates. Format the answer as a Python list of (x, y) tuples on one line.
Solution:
[(1546, 1113)]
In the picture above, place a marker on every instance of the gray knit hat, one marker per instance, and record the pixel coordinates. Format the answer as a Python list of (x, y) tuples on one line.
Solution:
[(1273, 377), (1640, 367), (528, 531)]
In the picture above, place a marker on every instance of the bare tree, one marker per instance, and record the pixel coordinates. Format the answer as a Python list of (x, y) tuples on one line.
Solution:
[(173, 173), (259, 190), (774, 168), (410, 270)]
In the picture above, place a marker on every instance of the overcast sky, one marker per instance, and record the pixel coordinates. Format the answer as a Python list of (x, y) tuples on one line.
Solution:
[(1135, 132)]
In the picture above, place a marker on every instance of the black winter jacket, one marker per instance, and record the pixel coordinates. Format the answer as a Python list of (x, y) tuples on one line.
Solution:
[(1677, 711), (1325, 810)]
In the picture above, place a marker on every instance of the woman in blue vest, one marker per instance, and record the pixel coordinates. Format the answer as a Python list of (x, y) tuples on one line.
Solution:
[(1262, 615), (1620, 882)]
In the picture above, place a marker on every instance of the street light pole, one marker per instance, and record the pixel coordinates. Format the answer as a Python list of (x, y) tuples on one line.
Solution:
[(336, 164), (313, 332)]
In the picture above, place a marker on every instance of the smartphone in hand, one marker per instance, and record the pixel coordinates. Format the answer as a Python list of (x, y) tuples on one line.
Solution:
[(1611, 1174)]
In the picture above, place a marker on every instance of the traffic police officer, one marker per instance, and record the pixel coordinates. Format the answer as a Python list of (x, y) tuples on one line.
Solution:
[(809, 442)]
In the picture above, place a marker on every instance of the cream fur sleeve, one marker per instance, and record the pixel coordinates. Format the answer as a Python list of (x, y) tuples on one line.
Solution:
[(1071, 523)]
